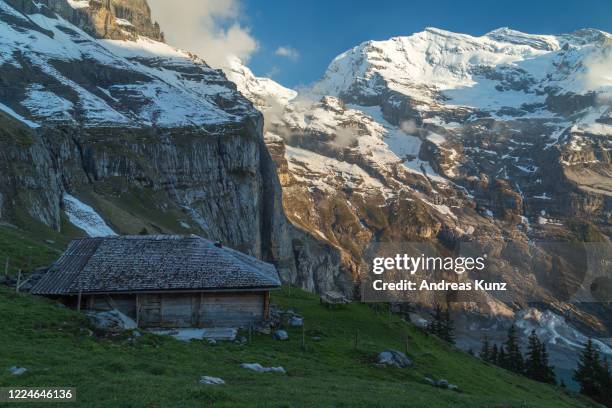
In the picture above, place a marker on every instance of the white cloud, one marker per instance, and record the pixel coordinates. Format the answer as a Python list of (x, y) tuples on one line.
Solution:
[(211, 29), (598, 75), (289, 52)]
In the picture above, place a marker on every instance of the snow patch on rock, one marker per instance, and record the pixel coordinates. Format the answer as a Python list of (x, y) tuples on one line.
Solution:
[(85, 217)]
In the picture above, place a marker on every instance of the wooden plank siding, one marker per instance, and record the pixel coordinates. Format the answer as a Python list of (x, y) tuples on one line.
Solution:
[(200, 309), (231, 310)]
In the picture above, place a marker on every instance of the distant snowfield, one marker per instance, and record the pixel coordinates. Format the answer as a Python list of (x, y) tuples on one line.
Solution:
[(17, 116), (405, 146), (85, 217)]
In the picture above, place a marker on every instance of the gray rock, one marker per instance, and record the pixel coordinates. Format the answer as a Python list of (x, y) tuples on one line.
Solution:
[(208, 380), (442, 383), (296, 321), (136, 333), (281, 335), (429, 381), (113, 320), (261, 369), (17, 370), (316, 338), (394, 358), (453, 387)]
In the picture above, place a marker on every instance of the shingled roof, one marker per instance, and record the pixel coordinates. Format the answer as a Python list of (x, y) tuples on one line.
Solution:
[(153, 263)]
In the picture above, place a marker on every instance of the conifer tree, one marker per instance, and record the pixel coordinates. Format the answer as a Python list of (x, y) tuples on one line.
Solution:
[(605, 384), (501, 356), (442, 324), (494, 354), (589, 371), (485, 350), (514, 358), (434, 326), (536, 363), (548, 371), (448, 328), (533, 362)]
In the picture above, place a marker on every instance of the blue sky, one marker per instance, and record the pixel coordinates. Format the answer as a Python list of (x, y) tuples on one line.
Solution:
[(319, 30)]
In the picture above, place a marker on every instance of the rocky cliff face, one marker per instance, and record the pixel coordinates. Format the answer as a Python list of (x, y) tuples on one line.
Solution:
[(94, 106)]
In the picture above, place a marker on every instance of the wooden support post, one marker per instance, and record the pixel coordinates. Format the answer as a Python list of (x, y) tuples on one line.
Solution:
[(137, 310), (161, 310), (200, 311), (80, 295), (266, 305), (18, 281)]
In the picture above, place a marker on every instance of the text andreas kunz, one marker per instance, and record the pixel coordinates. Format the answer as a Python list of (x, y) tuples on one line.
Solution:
[(403, 272)]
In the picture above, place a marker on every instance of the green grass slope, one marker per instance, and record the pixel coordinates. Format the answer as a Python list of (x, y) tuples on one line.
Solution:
[(56, 347)]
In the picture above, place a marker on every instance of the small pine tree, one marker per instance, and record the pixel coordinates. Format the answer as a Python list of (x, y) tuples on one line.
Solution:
[(588, 371), (494, 354), (501, 356), (533, 362), (548, 371), (605, 384), (485, 350), (448, 331), (435, 325), (442, 324), (514, 358), (536, 364)]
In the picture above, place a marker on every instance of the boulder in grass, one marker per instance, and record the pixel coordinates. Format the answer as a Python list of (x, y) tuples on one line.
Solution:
[(296, 321), (442, 383), (261, 369), (208, 380), (394, 358), (18, 370), (281, 335), (112, 320)]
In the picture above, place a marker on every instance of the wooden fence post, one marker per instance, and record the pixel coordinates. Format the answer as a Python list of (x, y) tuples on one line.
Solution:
[(18, 281)]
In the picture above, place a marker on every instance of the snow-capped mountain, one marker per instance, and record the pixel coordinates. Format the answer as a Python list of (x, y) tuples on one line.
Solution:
[(122, 82), (502, 140)]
